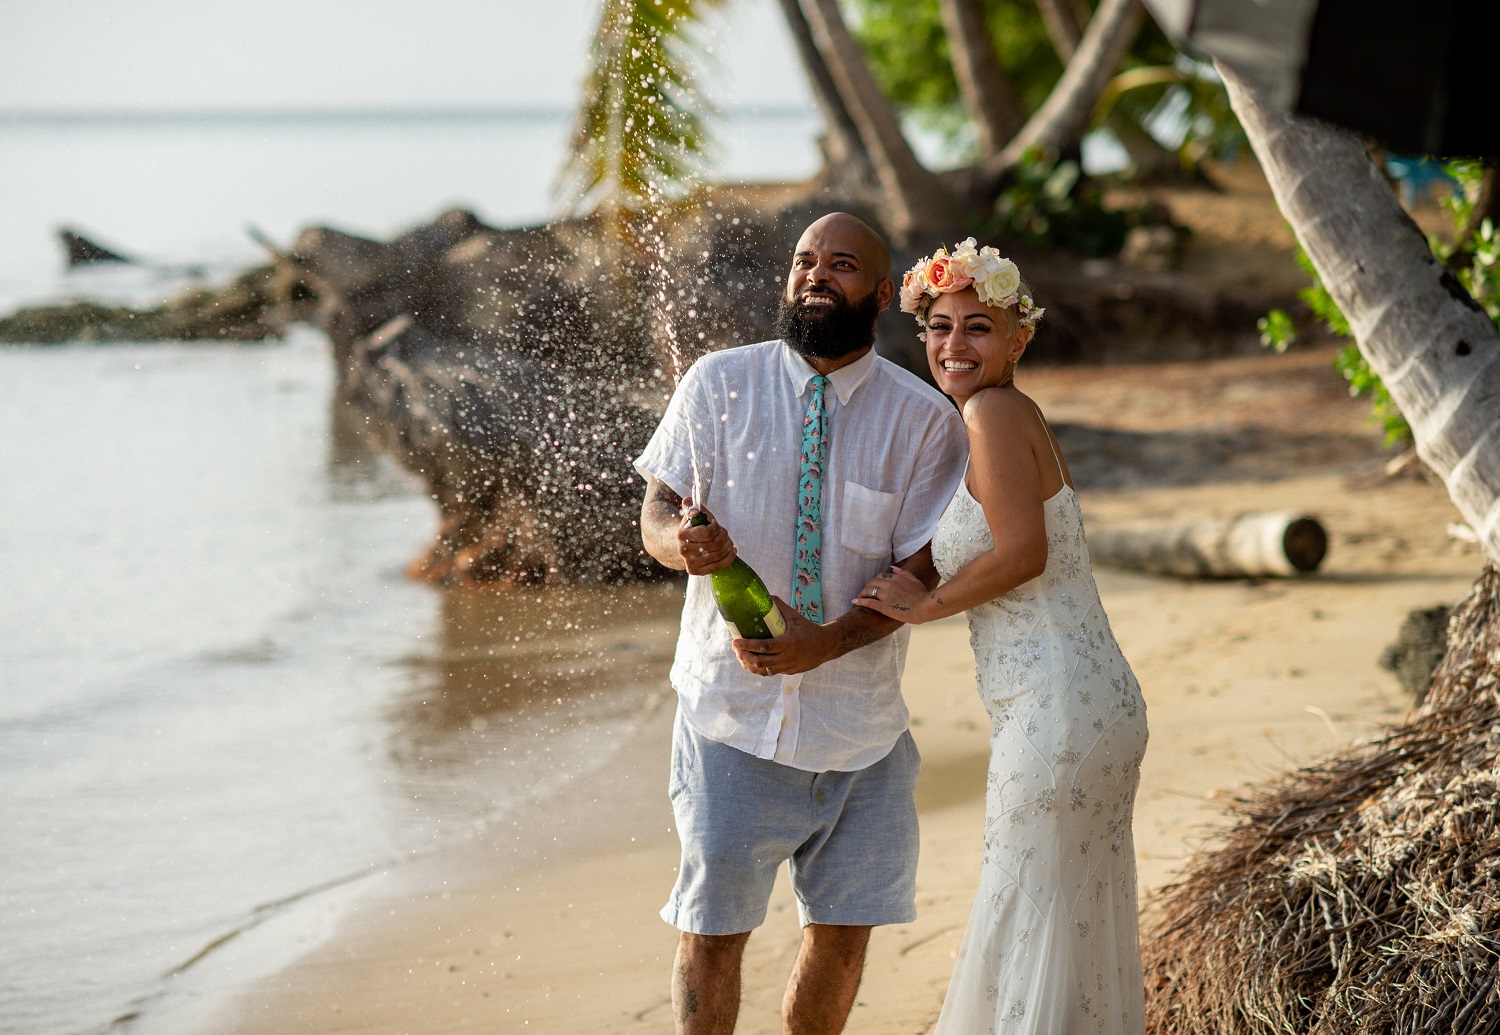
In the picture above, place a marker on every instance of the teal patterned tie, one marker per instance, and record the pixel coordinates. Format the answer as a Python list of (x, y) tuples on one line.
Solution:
[(807, 582)]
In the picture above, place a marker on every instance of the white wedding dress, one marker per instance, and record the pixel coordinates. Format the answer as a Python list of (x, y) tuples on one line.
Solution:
[(1052, 946)]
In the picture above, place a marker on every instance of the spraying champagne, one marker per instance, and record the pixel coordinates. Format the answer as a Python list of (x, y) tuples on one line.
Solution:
[(743, 600)]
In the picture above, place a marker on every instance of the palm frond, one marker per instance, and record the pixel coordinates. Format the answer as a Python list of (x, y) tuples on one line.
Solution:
[(640, 134)]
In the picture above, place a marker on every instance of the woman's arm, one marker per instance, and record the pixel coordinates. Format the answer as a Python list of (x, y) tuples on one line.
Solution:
[(1003, 428)]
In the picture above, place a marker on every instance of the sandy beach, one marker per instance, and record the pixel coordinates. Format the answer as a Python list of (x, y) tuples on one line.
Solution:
[(549, 925)]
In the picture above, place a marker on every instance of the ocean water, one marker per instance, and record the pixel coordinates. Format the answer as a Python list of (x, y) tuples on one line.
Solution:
[(179, 190), (221, 699)]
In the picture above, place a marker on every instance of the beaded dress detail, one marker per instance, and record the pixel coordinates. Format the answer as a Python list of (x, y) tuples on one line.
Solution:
[(1052, 946)]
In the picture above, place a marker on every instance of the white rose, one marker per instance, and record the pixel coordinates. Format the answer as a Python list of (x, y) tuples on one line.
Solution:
[(1000, 283)]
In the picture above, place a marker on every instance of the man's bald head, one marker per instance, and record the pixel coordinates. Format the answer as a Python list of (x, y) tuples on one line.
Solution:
[(855, 232)]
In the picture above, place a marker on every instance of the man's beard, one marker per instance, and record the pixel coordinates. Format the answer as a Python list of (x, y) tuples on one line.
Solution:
[(828, 332)]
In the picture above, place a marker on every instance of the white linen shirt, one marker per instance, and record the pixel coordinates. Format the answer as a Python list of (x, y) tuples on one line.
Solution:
[(731, 439)]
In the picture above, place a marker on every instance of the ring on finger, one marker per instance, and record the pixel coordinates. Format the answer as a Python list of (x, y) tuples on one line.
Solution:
[(875, 594)]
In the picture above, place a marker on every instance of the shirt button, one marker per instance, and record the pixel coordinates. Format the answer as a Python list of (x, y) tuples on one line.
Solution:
[(788, 688)]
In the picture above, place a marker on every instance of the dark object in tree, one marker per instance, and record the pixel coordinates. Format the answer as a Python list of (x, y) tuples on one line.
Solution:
[(1253, 545), (83, 252), (1435, 349), (1359, 894), (1418, 648), (1419, 84)]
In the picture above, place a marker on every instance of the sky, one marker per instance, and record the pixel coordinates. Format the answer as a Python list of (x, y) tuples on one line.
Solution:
[(142, 55)]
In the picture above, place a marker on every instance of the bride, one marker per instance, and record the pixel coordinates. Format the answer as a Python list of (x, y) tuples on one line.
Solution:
[(1052, 945)]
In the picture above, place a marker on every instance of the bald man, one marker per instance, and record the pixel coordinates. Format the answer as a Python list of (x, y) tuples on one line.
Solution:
[(828, 464)]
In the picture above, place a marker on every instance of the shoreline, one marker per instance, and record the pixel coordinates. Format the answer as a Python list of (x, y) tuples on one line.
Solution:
[(231, 981)]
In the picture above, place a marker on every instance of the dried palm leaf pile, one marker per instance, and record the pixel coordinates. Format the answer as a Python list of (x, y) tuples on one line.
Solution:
[(1360, 894)]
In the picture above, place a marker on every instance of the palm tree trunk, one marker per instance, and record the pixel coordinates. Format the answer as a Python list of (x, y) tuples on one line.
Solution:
[(1059, 124), (848, 169), (1432, 345), (992, 101), (1063, 29), (911, 197)]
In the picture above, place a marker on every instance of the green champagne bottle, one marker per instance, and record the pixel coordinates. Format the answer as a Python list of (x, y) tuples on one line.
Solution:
[(743, 600)]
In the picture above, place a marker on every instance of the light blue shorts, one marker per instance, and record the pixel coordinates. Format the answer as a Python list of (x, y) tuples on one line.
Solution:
[(849, 839)]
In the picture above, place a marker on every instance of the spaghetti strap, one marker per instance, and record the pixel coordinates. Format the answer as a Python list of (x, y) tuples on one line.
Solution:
[(1047, 430)]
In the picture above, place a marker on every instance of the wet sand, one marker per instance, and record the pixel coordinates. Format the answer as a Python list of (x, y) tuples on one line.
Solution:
[(549, 925)]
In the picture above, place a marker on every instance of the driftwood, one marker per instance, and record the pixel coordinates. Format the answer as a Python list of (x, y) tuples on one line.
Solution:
[(257, 305), (80, 251), (1360, 894), (1252, 545)]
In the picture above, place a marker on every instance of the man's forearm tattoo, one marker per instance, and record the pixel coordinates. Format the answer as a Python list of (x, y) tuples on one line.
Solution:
[(873, 627)]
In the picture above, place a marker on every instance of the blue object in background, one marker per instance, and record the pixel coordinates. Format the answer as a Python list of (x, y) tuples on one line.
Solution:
[(1415, 177)]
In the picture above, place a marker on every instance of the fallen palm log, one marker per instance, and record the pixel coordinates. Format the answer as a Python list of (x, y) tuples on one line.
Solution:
[(1360, 894), (531, 471), (1251, 545)]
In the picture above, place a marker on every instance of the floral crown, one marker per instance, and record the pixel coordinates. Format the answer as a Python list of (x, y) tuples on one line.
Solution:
[(997, 281)]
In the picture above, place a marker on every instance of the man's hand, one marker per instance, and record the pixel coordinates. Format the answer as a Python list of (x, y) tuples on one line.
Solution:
[(704, 549), (669, 538), (803, 647)]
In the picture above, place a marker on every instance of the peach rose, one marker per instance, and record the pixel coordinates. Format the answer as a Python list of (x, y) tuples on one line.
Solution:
[(913, 290), (945, 276)]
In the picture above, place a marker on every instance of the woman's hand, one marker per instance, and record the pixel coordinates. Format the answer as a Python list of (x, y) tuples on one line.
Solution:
[(895, 593)]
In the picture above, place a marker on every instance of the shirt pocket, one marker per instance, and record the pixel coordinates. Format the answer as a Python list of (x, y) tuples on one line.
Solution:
[(868, 520)]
